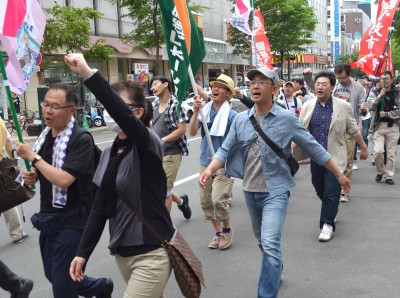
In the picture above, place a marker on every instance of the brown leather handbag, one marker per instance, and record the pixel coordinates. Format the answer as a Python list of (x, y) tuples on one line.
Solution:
[(187, 268), (11, 192)]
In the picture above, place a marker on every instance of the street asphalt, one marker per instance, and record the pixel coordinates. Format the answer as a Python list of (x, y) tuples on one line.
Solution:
[(362, 260)]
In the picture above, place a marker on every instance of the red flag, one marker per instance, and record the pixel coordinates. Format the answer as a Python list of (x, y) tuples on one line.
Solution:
[(22, 25), (264, 55), (374, 39)]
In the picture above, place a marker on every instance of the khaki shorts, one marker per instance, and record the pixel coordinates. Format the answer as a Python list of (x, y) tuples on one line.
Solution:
[(216, 197), (171, 164)]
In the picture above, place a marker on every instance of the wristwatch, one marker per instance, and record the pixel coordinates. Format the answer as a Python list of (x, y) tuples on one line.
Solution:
[(36, 159), (340, 174)]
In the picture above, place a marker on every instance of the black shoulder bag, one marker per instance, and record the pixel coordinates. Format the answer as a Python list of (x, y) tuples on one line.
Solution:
[(292, 163)]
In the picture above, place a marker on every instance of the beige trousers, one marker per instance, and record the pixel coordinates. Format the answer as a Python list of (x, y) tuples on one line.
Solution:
[(145, 275), (388, 136), (171, 165), (350, 144), (13, 223)]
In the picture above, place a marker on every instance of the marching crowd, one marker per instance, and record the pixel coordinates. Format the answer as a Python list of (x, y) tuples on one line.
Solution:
[(322, 119)]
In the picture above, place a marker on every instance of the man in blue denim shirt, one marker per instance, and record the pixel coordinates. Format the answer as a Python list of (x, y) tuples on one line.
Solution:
[(266, 177)]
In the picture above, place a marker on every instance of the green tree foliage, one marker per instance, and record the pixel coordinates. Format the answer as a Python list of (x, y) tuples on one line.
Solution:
[(396, 52), (289, 25), (69, 27), (148, 30)]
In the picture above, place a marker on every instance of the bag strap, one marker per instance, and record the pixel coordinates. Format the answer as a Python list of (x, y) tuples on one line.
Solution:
[(143, 220), (267, 140)]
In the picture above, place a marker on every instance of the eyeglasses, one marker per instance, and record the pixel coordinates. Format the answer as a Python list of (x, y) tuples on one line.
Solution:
[(323, 85), (53, 106), (260, 83), (219, 86)]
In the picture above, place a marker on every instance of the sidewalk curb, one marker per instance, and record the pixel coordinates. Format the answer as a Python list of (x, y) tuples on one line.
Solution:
[(27, 138)]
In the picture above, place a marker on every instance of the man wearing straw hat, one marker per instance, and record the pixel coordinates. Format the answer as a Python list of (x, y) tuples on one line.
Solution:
[(217, 194)]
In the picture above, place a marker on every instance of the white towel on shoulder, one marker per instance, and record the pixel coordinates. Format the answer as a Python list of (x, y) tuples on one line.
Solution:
[(220, 123)]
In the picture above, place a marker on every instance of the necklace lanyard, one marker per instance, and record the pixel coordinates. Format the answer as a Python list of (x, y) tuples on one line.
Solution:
[(287, 105)]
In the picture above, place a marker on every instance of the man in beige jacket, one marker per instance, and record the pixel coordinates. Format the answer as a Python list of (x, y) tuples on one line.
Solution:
[(329, 119)]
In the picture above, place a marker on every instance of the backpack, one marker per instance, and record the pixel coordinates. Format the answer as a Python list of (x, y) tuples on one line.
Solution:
[(97, 150), (77, 132)]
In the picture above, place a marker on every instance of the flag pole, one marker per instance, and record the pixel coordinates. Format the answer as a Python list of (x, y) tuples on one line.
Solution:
[(12, 107), (203, 118), (384, 51), (254, 38)]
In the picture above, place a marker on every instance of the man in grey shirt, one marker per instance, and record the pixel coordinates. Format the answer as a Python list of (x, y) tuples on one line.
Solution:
[(352, 92)]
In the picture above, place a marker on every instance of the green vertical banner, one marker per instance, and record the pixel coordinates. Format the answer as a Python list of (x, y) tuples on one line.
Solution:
[(184, 42)]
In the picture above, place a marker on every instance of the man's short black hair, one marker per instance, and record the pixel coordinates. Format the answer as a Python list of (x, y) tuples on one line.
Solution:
[(387, 72), (72, 96), (327, 74), (300, 81), (340, 67), (163, 80)]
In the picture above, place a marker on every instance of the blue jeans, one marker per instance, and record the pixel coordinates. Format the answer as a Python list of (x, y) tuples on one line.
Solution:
[(328, 190), (57, 253), (267, 215), (365, 124)]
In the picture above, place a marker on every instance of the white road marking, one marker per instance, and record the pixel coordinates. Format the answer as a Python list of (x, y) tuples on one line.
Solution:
[(184, 180), (194, 139), (104, 142)]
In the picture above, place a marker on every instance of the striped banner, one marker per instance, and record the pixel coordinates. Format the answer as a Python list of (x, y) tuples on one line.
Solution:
[(184, 41)]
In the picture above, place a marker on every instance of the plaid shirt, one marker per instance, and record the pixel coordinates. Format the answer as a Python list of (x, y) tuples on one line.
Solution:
[(321, 122), (172, 121)]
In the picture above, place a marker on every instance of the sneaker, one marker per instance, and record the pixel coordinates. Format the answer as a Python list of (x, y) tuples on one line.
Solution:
[(214, 242), (344, 198), (326, 233), (389, 181), (378, 177), (184, 207), (226, 240), (355, 166), (26, 286), (108, 290), (24, 236)]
